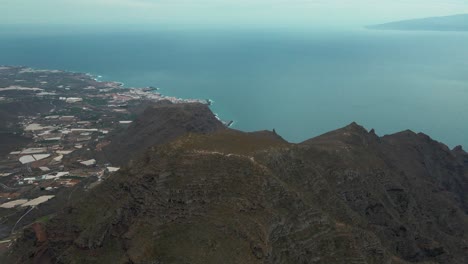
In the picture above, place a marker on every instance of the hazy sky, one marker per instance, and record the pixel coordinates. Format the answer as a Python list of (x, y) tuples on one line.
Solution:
[(242, 12)]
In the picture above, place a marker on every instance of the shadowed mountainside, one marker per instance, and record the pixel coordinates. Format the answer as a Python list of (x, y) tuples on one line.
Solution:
[(159, 124), (227, 196)]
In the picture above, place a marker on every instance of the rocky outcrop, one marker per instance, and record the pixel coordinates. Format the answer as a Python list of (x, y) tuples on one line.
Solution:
[(160, 124)]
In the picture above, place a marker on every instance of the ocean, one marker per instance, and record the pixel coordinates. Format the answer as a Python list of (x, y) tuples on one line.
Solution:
[(300, 83)]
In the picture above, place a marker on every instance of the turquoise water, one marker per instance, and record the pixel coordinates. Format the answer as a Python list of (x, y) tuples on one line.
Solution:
[(300, 83)]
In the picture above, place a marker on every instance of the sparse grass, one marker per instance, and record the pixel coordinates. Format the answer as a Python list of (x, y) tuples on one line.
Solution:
[(232, 142), (45, 219), (71, 177), (96, 101)]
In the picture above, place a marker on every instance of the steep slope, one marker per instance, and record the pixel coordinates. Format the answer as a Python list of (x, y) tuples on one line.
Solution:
[(185, 203), (446, 23), (157, 125), (227, 196), (406, 188)]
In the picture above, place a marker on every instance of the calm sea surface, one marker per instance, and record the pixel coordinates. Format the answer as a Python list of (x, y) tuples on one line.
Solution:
[(302, 84)]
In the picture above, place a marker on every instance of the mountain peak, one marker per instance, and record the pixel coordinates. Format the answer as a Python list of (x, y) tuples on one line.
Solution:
[(356, 128), (352, 134), (458, 148)]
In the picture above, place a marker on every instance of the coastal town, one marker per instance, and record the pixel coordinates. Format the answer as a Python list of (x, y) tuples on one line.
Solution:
[(52, 123)]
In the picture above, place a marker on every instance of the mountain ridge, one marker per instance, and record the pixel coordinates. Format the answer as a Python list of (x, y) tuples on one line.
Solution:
[(227, 196)]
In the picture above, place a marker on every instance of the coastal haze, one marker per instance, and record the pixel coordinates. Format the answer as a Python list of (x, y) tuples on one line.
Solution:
[(300, 82), (301, 67), (233, 131)]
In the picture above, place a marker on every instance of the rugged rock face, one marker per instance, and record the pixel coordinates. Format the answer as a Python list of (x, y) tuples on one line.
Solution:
[(408, 189), (159, 124), (348, 196)]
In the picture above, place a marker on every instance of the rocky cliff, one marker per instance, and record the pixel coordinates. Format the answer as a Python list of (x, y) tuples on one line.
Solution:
[(158, 124)]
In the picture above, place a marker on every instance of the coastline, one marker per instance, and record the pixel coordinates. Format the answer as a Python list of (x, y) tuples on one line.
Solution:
[(149, 93), (208, 101)]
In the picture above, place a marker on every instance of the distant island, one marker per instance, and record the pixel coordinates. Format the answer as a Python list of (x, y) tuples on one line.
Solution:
[(446, 23)]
